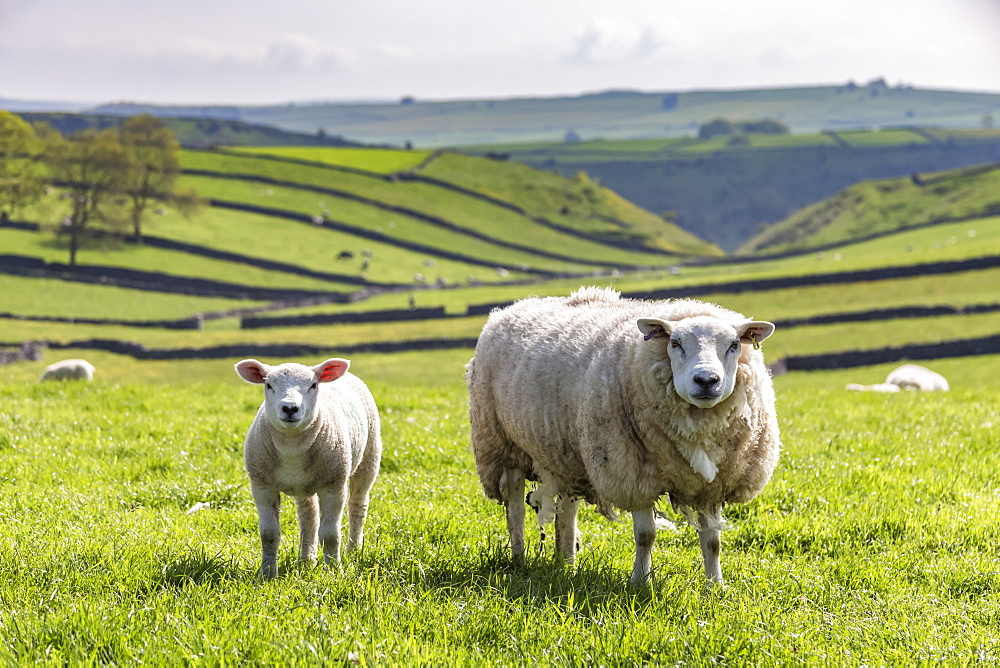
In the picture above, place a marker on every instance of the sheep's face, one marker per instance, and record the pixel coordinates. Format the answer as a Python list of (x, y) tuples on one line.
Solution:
[(291, 390), (704, 352)]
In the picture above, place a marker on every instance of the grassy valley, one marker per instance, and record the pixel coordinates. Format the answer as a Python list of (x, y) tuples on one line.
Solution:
[(724, 189)]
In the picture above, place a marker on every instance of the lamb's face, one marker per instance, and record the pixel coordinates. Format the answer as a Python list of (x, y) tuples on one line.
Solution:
[(291, 390), (704, 354)]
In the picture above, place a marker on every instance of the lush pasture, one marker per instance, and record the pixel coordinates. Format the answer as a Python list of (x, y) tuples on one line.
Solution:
[(874, 543)]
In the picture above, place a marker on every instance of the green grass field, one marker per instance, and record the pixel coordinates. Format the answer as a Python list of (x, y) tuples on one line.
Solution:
[(874, 543)]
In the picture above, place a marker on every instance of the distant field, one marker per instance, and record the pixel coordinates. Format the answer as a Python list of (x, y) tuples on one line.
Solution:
[(475, 201), (380, 161)]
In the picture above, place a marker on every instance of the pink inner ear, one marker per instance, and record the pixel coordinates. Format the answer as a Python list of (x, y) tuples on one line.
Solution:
[(331, 371), (251, 372)]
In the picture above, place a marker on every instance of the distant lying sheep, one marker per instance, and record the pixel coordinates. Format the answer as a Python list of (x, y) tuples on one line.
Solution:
[(916, 377), (69, 370), (316, 435), (568, 392), (906, 377)]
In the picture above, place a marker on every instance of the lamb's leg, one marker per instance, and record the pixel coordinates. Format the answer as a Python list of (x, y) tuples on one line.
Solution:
[(308, 512), (566, 533), (709, 526), (514, 493), (268, 502), (357, 510), (644, 529), (360, 487), (331, 506)]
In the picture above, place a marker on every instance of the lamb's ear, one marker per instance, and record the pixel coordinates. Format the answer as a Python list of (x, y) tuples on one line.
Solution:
[(252, 371), (332, 369), (754, 331), (654, 328)]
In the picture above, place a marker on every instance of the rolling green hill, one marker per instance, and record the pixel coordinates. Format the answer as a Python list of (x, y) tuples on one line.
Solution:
[(608, 115), (724, 191), (880, 207)]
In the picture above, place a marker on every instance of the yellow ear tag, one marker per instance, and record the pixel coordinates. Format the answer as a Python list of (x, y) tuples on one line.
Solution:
[(754, 341)]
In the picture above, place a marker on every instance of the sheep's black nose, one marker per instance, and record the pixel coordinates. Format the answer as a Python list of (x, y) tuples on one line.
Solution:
[(290, 410), (706, 379)]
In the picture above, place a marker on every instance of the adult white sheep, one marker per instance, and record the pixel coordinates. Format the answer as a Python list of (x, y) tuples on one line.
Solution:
[(73, 369), (916, 377), (316, 435), (566, 391)]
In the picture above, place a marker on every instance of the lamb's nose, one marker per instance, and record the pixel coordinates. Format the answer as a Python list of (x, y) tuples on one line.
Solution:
[(290, 410)]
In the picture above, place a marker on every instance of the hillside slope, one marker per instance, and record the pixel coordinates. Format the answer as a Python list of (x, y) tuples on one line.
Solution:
[(878, 207), (723, 191)]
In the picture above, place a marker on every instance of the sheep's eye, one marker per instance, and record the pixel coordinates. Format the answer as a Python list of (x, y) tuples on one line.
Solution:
[(313, 386), (676, 344), (736, 346), (268, 386)]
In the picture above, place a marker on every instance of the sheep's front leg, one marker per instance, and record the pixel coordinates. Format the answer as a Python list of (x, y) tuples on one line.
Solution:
[(644, 529), (268, 502), (709, 529), (308, 512), (331, 505), (566, 532), (514, 492)]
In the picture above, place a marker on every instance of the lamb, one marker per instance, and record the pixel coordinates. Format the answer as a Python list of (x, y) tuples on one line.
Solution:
[(906, 377), (565, 391), (316, 434), (72, 369)]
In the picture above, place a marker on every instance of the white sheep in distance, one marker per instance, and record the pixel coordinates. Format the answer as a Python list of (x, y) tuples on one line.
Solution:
[(566, 391), (916, 377), (73, 369), (906, 377), (316, 435)]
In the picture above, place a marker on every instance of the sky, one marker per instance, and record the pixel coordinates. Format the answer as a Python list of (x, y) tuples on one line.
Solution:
[(251, 52)]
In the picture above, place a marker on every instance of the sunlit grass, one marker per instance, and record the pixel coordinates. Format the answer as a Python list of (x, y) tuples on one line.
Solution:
[(873, 544)]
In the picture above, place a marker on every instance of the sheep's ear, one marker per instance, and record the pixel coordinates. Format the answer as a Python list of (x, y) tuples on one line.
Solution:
[(755, 331), (332, 369), (252, 371), (654, 328)]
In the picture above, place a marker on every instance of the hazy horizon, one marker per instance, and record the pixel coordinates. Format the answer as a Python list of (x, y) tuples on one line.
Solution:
[(253, 52)]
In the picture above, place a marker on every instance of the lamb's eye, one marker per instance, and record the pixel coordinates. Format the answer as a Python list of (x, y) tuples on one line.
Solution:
[(736, 346), (313, 386), (676, 344), (268, 386)]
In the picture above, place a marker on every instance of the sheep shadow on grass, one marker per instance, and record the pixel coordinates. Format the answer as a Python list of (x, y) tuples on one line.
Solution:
[(199, 567), (536, 580)]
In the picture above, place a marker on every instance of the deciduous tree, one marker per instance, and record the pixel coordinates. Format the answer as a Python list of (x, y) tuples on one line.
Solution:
[(21, 180), (154, 164), (93, 168)]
